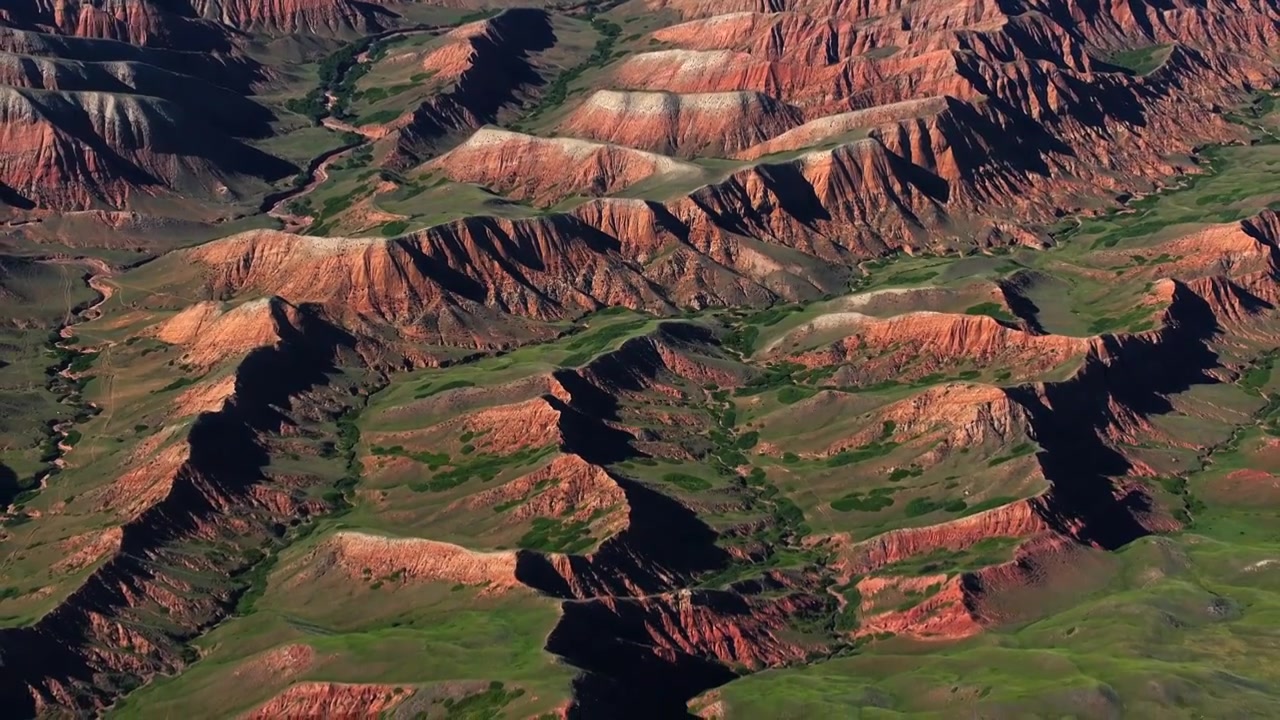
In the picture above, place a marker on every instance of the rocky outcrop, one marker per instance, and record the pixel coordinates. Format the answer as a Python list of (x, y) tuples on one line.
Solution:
[(539, 268), (567, 487), (680, 644), (515, 164), (918, 344), (709, 124), (164, 23), (210, 334), (209, 488), (834, 127), (487, 66), (71, 150), (328, 699), (1019, 519), (409, 560), (942, 615), (944, 419)]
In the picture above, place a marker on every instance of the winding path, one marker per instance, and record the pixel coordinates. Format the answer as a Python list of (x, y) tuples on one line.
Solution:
[(277, 205)]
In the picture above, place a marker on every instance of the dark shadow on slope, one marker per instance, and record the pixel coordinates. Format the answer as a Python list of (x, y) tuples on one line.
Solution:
[(628, 674), (664, 547), (1012, 289), (1068, 418), (501, 70), (12, 198), (210, 493)]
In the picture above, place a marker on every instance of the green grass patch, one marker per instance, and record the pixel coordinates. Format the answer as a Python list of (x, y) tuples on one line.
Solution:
[(991, 309), (555, 536), (483, 467), (688, 483), (179, 383), (1019, 450), (394, 228), (873, 449), (875, 502), (428, 389), (1139, 61)]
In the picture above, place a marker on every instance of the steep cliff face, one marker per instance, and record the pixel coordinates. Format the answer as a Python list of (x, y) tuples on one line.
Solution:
[(515, 164), (1015, 520), (714, 124), (917, 344), (321, 17), (533, 268), (227, 70), (412, 560), (943, 420), (156, 23), (211, 334), (321, 699), (209, 487), (679, 643), (221, 107), (166, 23), (488, 66), (70, 150)]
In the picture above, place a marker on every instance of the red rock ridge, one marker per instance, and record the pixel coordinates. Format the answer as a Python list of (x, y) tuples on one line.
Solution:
[(514, 164), (568, 487), (410, 560), (487, 67), (917, 344), (945, 418), (164, 24), (330, 700), (139, 145), (1016, 520), (705, 124)]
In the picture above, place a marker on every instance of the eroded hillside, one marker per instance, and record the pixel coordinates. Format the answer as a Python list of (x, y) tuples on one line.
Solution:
[(650, 359)]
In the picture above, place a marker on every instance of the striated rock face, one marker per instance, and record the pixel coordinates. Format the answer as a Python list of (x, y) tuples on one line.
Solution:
[(1016, 520), (856, 129), (74, 149), (212, 335), (568, 487), (206, 487), (486, 66), (474, 282), (917, 344), (715, 124), (943, 615), (322, 17), (166, 23), (944, 419), (823, 129), (415, 560), (327, 699), (413, 282), (515, 165), (158, 23), (680, 642)]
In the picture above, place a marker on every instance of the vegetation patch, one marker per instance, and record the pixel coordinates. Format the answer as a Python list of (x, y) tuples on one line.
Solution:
[(556, 536), (487, 705), (483, 467), (875, 501), (686, 482), (428, 389), (1140, 61), (992, 310), (1019, 450)]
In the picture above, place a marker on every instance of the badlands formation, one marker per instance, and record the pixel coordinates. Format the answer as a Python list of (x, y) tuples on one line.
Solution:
[(643, 358)]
